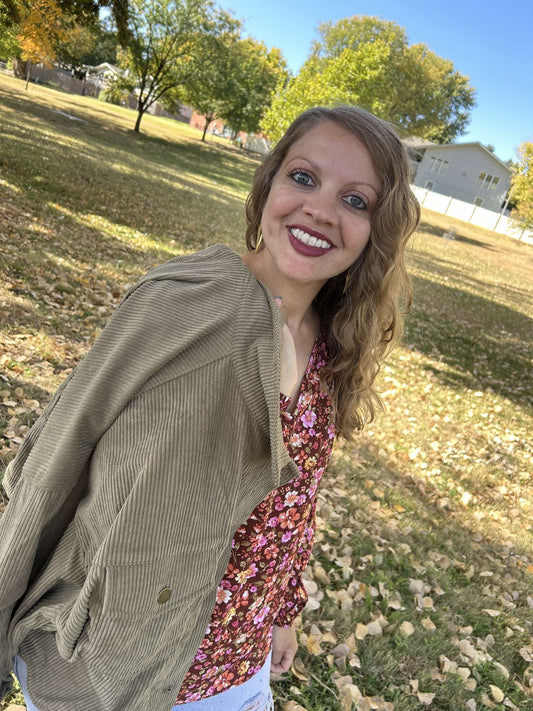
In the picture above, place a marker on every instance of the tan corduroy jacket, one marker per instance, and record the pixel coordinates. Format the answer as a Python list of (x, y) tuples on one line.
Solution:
[(124, 496)]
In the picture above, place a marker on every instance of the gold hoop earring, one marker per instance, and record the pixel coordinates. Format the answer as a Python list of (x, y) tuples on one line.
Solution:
[(259, 240)]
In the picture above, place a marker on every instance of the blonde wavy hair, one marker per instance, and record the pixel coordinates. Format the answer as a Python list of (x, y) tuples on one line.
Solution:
[(361, 310)]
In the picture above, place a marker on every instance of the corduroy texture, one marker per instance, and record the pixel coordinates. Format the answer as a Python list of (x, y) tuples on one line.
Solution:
[(158, 446)]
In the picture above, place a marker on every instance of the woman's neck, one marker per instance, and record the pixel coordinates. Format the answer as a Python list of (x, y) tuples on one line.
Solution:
[(294, 299)]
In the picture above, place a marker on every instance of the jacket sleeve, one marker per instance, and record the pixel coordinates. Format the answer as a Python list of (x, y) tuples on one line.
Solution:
[(157, 321), (295, 595)]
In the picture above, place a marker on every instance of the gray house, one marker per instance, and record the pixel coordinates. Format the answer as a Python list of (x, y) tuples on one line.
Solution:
[(465, 171)]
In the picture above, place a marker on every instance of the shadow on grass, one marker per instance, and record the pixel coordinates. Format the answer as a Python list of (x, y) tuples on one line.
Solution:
[(448, 269), (437, 231), (431, 526), (486, 343), (205, 159), (131, 181)]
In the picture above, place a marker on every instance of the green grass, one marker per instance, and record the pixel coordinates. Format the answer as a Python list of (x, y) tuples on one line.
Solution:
[(437, 490)]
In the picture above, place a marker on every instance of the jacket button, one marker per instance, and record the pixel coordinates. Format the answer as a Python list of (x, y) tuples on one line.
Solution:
[(164, 595)]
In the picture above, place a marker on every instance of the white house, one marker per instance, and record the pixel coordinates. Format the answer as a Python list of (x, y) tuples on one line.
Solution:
[(465, 171), (104, 73)]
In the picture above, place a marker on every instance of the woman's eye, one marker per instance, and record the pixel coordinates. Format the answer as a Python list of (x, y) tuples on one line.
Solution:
[(356, 201), (301, 177)]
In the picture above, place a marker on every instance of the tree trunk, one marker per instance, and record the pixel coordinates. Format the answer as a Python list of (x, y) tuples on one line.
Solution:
[(19, 68), (140, 112), (28, 70), (208, 120)]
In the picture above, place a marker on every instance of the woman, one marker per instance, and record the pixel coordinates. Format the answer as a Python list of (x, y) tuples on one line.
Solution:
[(162, 509)]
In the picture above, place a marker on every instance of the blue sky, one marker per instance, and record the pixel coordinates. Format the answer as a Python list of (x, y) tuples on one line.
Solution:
[(490, 42)]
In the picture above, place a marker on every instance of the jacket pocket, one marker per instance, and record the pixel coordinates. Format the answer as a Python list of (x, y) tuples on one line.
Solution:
[(140, 614)]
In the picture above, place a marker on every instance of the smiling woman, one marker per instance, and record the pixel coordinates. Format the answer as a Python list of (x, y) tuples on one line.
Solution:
[(339, 176), (162, 509)]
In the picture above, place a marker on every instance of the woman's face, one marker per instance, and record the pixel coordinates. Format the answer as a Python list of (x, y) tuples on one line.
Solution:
[(317, 217)]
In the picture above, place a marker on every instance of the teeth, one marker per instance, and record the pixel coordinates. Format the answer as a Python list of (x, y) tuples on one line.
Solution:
[(308, 239)]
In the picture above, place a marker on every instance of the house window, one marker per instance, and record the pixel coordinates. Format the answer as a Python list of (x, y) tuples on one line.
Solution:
[(478, 202), (487, 182), (438, 165), (429, 185)]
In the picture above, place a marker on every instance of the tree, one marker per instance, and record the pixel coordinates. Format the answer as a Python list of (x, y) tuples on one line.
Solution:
[(9, 46), (41, 26), (367, 61), (86, 12), (164, 35), (234, 79), (209, 79), (258, 71), (522, 186), (87, 44)]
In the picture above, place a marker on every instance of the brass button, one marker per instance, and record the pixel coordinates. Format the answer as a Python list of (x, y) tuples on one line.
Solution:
[(164, 595)]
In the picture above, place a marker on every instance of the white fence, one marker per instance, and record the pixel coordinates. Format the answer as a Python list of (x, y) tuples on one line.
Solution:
[(479, 216)]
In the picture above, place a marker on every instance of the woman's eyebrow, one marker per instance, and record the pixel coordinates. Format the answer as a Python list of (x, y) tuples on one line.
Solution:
[(317, 167)]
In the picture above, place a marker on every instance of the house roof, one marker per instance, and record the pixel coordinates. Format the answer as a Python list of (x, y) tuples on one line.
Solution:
[(414, 142), (419, 145), (104, 67)]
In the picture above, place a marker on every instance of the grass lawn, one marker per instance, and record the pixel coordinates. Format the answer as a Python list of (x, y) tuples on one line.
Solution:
[(421, 581)]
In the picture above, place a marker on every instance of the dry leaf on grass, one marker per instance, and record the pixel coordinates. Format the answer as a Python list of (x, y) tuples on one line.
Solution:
[(350, 695), (313, 646), (299, 670), (293, 706), (497, 693), (361, 631), (406, 628), (425, 699)]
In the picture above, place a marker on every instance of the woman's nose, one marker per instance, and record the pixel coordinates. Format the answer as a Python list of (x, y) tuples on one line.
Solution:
[(321, 206)]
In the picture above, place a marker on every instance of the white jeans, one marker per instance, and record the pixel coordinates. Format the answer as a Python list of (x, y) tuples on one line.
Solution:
[(253, 695)]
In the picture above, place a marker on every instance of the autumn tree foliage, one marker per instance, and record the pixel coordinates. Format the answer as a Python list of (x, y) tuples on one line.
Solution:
[(41, 26), (522, 186), (368, 61), (85, 11)]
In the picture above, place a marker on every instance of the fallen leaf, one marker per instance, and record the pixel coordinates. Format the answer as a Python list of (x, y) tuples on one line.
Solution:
[(425, 699), (497, 693), (293, 706), (361, 631), (374, 628), (299, 670), (416, 586), (313, 646), (406, 628), (350, 695), (428, 624), (502, 669), (341, 650)]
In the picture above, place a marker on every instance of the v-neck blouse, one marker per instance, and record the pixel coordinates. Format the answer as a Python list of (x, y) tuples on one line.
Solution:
[(263, 584)]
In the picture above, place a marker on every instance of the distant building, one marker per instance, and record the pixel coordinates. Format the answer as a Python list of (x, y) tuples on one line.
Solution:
[(465, 171), (103, 73)]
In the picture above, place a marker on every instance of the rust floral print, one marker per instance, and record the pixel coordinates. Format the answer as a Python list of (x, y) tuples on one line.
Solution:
[(263, 584)]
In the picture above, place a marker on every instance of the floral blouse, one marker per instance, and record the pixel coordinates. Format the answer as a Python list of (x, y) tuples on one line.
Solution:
[(262, 585)]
